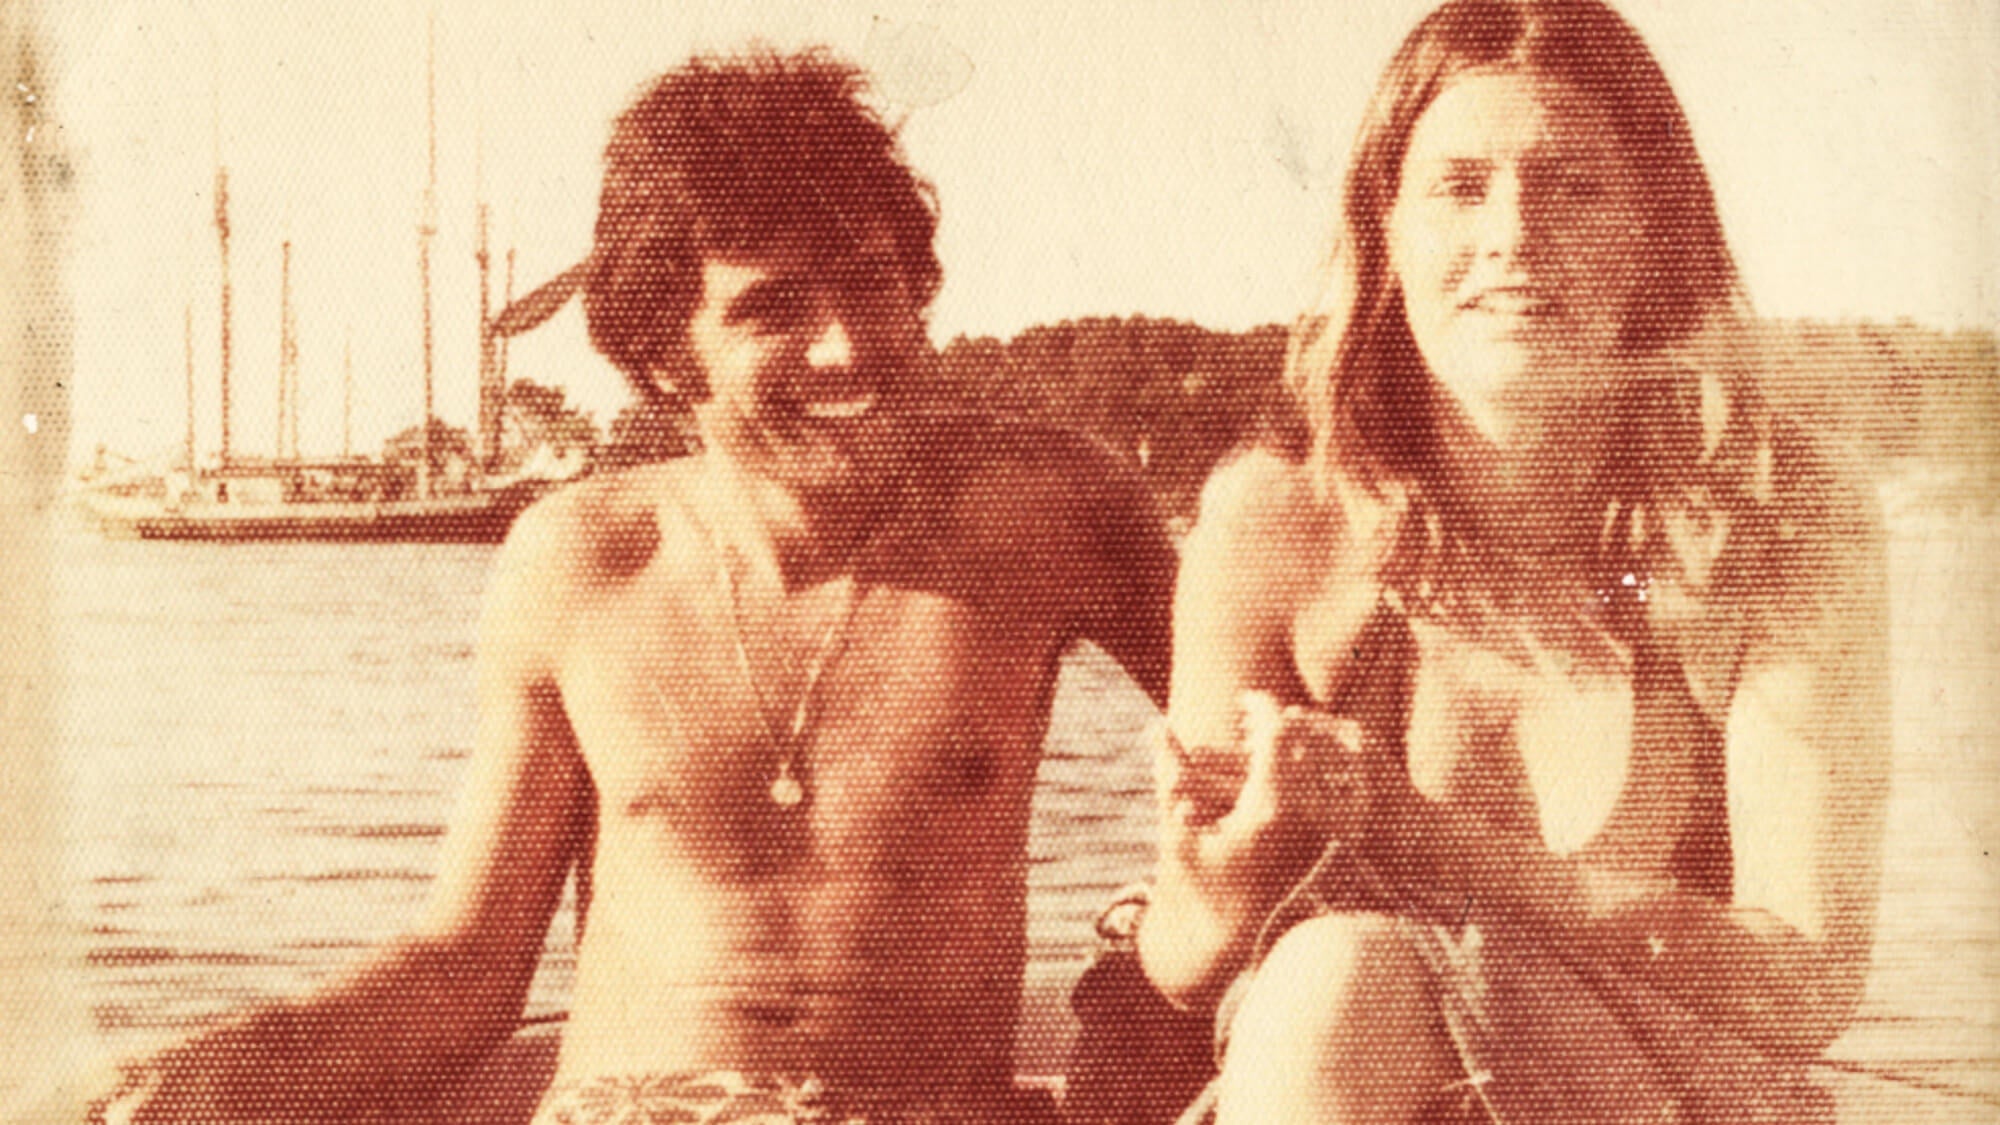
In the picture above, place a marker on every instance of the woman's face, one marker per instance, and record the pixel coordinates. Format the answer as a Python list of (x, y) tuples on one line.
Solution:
[(1517, 237)]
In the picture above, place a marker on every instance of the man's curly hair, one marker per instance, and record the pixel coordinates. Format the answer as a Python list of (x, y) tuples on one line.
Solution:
[(731, 155)]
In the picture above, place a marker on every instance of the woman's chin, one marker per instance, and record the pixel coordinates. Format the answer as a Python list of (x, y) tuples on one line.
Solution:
[(1533, 398)]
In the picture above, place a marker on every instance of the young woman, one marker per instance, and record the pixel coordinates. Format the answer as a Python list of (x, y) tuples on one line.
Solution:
[(1528, 733)]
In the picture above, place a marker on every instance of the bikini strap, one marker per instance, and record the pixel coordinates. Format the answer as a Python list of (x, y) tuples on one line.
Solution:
[(1376, 686)]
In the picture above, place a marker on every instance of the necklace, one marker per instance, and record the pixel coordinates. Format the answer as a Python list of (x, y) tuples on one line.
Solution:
[(788, 736), (1605, 596)]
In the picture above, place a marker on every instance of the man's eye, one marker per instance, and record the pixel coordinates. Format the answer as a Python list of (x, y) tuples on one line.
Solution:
[(1580, 185), (774, 312), (785, 315), (867, 286)]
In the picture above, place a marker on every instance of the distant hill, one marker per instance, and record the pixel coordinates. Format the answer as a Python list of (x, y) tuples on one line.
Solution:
[(1173, 397)]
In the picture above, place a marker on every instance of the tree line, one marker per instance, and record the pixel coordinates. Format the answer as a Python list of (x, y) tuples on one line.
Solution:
[(1172, 397)]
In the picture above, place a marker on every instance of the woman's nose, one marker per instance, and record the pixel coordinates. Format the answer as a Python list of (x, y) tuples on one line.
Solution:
[(1503, 219)]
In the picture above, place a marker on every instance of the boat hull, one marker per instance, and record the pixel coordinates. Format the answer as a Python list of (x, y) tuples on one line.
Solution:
[(482, 517)]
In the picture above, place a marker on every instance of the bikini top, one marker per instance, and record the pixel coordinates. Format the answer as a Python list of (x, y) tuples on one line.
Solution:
[(1378, 687)]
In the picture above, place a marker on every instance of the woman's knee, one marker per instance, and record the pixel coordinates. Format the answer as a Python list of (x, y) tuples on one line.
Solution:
[(1340, 1024), (1329, 970)]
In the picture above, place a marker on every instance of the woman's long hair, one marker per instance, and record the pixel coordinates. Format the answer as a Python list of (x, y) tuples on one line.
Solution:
[(1691, 451)]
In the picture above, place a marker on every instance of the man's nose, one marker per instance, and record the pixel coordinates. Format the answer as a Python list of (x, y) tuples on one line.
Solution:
[(834, 344)]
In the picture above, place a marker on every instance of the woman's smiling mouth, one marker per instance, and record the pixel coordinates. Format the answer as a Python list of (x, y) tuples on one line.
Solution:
[(1527, 301)]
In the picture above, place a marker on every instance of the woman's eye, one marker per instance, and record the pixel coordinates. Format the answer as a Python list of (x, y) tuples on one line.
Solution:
[(1462, 188)]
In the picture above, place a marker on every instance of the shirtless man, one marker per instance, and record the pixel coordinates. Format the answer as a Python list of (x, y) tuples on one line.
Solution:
[(779, 704)]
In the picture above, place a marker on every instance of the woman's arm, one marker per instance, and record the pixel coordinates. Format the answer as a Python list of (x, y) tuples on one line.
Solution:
[(1808, 745), (1233, 833), (1807, 735)]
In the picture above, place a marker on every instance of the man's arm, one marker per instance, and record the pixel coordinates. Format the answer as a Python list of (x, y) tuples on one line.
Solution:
[(387, 1035), (1127, 597)]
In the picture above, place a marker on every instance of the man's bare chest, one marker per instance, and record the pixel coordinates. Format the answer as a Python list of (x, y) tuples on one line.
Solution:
[(925, 704)]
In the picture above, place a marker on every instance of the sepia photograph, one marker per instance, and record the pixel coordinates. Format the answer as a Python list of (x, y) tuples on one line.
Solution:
[(913, 563)]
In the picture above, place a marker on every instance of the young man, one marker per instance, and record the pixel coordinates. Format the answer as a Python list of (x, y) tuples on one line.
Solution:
[(779, 703)]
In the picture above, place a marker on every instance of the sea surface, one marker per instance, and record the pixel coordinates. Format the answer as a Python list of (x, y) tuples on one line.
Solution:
[(261, 745)]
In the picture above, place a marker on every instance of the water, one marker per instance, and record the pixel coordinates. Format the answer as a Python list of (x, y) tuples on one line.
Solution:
[(262, 744)]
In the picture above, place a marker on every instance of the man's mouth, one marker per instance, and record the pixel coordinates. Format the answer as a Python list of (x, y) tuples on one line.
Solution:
[(839, 408), (833, 398)]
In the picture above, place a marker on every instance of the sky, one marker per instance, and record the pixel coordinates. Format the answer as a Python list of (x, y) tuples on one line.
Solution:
[(1167, 159)]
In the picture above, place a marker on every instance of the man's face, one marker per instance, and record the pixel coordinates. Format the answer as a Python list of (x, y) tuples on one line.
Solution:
[(810, 365)]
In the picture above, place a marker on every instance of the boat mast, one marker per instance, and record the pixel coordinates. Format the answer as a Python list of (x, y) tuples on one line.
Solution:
[(490, 393), (347, 396), (222, 235), (506, 300), (426, 230), (187, 347), (292, 363), (221, 232), (288, 364)]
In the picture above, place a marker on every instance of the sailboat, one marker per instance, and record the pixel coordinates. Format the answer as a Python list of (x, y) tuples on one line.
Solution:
[(426, 495), (291, 497)]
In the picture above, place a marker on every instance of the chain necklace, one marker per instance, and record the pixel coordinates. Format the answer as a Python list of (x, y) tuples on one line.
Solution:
[(787, 736)]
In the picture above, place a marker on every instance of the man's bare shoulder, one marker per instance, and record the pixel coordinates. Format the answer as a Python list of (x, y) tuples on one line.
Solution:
[(1044, 470), (596, 532), (1007, 444)]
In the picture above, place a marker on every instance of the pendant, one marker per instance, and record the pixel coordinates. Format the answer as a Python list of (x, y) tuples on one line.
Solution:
[(786, 790)]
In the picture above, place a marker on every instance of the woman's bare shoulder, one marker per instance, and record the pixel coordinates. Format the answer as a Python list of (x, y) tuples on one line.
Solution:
[(1263, 548), (1822, 493), (1260, 503)]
